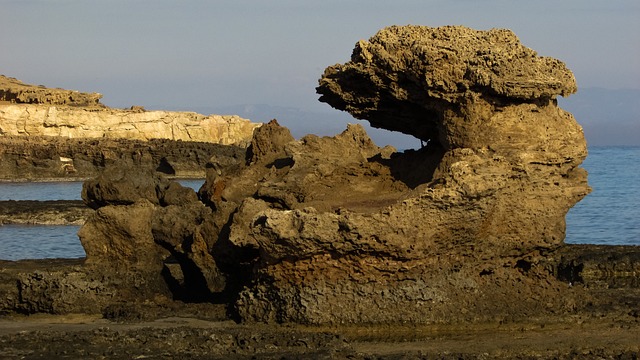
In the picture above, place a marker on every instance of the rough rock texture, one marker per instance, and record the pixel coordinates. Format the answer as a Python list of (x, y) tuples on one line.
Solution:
[(457, 245), (71, 122), (428, 82), (54, 287), (42, 157), (54, 212), (152, 227), (464, 242), (15, 91), (35, 111), (339, 230)]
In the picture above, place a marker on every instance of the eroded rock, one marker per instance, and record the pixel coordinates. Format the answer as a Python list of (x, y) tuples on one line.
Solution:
[(328, 230), (27, 110), (146, 224), (461, 242), (413, 78)]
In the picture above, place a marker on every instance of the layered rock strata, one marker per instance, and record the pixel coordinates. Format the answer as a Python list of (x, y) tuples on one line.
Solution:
[(71, 122), (27, 110), (44, 157)]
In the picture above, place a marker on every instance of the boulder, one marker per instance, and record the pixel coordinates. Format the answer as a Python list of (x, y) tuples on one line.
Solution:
[(147, 225)]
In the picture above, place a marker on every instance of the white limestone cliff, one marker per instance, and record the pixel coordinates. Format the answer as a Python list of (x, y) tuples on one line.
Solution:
[(80, 122)]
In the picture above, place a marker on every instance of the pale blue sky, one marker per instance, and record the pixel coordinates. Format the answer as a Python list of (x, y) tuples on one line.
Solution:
[(184, 54)]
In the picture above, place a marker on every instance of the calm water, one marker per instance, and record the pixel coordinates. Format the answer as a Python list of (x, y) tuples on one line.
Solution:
[(39, 242), (59, 190), (608, 216)]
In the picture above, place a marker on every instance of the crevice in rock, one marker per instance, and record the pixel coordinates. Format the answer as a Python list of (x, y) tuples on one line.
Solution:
[(413, 167), (165, 167)]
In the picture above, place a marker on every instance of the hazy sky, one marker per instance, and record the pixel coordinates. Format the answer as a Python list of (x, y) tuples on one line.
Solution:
[(182, 54)]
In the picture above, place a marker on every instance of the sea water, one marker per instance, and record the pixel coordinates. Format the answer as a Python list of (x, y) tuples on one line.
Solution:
[(39, 242), (607, 216), (610, 215), (59, 190), (47, 241)]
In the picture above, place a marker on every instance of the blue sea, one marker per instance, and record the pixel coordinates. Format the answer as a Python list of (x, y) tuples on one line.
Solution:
[(608, 216)]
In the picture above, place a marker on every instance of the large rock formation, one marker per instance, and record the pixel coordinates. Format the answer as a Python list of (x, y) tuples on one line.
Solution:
[(38, 111), (461, 239), (488, 197), (339, 230)]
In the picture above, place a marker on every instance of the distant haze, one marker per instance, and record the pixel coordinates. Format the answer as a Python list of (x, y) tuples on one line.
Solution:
[(266, 56), (608, 117)]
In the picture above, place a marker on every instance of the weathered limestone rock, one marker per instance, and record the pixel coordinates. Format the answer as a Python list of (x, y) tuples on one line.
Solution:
[(420, 80), (44, 157), (37, 111), (144, 225), (338, 230), (15, 91), (71, 122), (466, 241)]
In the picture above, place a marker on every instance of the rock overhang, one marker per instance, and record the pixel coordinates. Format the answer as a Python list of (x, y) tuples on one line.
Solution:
[(405, 78), (338, 230)]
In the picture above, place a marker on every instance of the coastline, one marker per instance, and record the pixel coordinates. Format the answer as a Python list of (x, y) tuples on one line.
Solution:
[(332, 247), (188, 176), (606, 327), (47, 212)]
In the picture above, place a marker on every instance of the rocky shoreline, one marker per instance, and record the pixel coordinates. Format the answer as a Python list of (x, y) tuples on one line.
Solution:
[(334, 247), (55, 212), (42, 158), (605, 326)]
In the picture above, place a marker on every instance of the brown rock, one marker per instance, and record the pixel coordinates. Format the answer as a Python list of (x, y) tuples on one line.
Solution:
[(43, 157), (15, 91), (145, 224), (338, 230), (456, 234), (412, 78)]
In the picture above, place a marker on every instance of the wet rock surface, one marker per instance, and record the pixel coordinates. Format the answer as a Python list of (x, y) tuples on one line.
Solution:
[(55, 212)]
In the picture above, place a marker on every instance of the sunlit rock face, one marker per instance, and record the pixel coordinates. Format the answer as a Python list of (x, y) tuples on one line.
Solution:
[(27, 110), (422, 81), (334, 230), (482, 201)]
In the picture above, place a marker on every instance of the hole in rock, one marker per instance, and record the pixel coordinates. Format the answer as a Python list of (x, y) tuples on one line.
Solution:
[(414, 167), (282, 163), (165, 167), (570, 272), (524, 265)]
